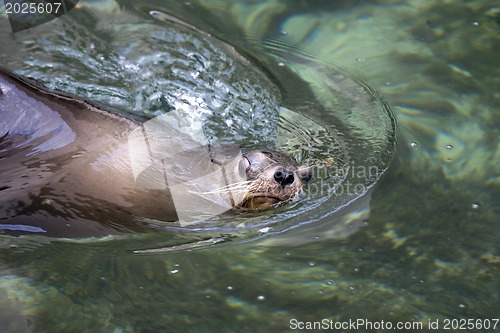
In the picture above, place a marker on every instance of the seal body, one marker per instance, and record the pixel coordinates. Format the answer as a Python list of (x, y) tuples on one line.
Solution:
[(66, 170)]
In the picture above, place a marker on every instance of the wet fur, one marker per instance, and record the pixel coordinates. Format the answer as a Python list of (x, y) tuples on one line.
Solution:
[(61, 192)]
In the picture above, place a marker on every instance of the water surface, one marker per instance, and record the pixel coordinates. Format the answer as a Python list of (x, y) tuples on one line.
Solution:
[(425, 250)]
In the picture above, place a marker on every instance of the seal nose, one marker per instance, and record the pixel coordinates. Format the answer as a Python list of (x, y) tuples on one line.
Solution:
[(283, 177)]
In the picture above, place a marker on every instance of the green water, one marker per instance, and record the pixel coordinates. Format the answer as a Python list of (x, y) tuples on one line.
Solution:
[(427, 249)]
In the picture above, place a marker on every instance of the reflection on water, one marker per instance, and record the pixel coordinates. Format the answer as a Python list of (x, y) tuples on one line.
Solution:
[(428, 249)]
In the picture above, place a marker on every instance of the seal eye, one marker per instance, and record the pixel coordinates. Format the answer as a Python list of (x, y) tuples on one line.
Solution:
[(247, 163), (305, 174)]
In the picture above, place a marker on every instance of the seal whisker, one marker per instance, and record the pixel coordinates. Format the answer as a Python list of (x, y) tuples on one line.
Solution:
[(231, 187)]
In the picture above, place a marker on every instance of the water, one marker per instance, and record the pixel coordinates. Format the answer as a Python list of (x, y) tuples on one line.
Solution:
[(426, 249), (156, 65)]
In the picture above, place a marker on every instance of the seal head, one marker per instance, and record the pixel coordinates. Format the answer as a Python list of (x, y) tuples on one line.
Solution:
[(274, 178)]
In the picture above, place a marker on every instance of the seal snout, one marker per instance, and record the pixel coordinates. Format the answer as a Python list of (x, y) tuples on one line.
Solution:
[(274, 178), (284, 177)]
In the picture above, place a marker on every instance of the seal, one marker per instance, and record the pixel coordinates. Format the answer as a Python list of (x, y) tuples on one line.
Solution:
[(66, 171)]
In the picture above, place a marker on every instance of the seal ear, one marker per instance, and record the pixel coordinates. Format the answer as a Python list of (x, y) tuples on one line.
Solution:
[(247, 163), (305, 173)]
